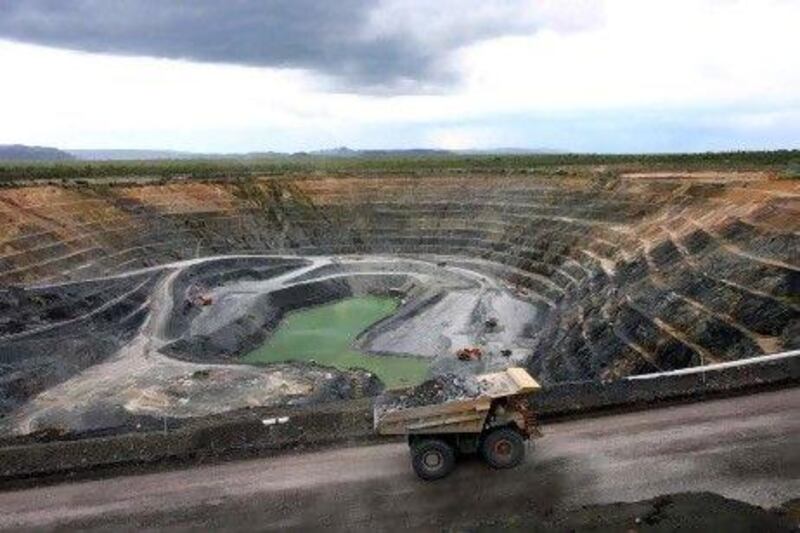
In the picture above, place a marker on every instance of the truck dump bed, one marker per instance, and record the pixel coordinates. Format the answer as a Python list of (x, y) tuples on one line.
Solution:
[(459, 415)]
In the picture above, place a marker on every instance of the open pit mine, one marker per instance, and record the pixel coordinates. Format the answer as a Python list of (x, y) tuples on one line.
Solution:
[(129, 303)]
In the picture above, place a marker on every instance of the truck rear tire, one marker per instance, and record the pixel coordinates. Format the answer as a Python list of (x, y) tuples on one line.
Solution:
[(433, 459), (503, 448)]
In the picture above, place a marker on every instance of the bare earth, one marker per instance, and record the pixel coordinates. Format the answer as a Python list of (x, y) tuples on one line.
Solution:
[(744, 448)]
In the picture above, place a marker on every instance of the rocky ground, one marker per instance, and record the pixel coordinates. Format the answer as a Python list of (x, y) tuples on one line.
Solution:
[(700, 512)]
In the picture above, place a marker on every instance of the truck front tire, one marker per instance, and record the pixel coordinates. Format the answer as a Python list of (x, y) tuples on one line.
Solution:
[(433, 459), (503, 448)]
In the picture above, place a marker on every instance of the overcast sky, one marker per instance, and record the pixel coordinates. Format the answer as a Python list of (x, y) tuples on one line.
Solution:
[(288, 75)]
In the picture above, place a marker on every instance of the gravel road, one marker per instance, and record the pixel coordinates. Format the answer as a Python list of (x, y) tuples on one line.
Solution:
[(744, 448)]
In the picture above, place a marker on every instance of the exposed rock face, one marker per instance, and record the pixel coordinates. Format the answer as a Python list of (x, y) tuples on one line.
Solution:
[(49, 334), (628, 275)]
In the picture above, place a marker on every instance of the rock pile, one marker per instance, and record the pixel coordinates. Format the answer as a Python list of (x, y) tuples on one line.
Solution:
[(440, 389)]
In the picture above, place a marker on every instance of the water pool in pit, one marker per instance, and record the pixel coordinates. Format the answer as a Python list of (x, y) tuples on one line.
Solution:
[(325, 334)]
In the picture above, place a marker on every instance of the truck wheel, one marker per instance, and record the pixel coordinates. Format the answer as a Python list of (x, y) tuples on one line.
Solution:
[(433, 459), (503, 448)]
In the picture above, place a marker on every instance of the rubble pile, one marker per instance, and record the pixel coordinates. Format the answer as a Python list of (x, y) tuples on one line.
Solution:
[(440, 389)]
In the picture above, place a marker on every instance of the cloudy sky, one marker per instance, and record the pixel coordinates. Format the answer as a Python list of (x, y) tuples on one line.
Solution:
[(288, 75)]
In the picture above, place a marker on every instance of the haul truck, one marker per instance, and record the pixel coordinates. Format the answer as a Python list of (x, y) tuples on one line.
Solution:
[(495, 423)]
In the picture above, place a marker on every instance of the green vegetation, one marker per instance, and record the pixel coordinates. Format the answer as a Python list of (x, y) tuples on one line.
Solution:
[(231, 168), (325, 334), (792, 170)]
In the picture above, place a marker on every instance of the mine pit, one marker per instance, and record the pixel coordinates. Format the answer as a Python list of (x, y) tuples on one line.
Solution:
[(136, 303)]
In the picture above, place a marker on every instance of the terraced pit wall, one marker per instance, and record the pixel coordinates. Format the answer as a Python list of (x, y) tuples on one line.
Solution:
[(637, 274)]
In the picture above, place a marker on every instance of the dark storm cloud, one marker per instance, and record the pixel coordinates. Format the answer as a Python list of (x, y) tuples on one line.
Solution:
[(321, 35)]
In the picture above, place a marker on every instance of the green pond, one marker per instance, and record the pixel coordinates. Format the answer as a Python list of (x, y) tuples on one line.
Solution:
[(326, 334)]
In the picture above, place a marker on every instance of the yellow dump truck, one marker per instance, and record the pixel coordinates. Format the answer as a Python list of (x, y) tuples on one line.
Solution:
[(493, 418)]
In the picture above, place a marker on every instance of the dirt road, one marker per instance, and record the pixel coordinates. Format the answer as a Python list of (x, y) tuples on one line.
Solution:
[(746, 448)]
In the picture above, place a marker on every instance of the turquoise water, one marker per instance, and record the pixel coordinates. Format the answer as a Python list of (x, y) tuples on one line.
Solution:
[(326, 333)]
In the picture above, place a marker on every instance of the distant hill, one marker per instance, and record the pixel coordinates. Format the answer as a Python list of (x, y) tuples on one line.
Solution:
[(155, 155), (128, 155), (412, 152), (512, 151), (340, 152), (21, 152), (344, 151)]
